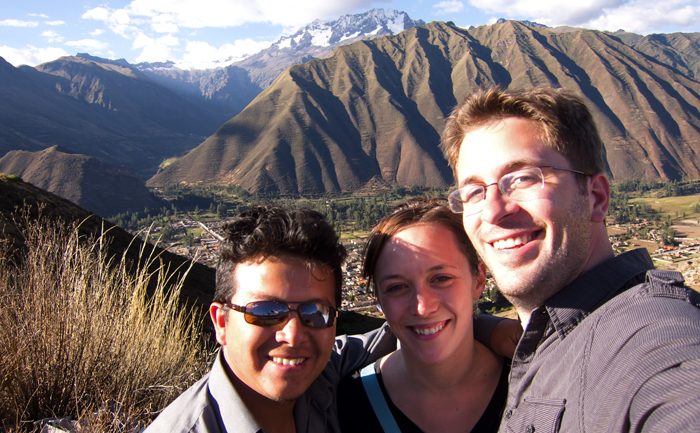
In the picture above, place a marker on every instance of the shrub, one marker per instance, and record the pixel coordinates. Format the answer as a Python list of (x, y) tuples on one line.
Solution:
[(82, 337)]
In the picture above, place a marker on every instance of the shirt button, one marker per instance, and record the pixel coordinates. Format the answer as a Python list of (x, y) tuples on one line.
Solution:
[(509, 413), (530, 429)]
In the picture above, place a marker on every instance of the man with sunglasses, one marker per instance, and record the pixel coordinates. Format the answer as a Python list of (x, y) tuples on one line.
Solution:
[(278, 286), (610, 345)]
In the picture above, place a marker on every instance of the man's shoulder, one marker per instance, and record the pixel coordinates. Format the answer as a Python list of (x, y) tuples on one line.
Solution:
[(660, 312), (660, 288), (192, 411)]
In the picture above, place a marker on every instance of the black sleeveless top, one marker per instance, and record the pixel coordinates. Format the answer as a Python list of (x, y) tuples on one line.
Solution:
[(356, 414)]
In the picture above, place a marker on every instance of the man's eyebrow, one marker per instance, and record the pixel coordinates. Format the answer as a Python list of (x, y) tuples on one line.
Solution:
[(506, 168), (264, 297)]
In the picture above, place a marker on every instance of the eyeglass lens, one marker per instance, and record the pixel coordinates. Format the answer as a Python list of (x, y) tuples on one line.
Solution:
[(271, 313), (520, 185)]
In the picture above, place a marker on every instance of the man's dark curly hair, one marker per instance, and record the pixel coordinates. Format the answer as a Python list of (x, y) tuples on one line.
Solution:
[(270, 231)]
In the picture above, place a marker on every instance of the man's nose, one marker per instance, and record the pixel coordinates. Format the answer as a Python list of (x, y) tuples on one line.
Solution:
[(496, 205), (294, 332)]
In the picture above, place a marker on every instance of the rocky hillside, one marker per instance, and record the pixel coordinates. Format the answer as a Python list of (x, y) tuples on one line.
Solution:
[(374, 110), (102, 188)]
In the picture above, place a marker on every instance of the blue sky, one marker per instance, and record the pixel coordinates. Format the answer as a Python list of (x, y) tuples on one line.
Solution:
[(199, 32)]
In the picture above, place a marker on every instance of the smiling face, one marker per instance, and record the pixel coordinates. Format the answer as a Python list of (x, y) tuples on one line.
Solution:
[(426, 287), (278, 362), (533, 248)]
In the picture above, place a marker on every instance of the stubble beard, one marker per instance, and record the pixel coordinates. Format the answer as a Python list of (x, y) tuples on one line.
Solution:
[(555, 269)]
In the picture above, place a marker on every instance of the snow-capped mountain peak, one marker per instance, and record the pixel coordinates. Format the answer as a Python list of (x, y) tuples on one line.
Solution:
[(370, 24)]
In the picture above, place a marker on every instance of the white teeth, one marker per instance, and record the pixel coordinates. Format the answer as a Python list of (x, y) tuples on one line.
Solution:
[(504, 244), (287, 361), (429, 331)]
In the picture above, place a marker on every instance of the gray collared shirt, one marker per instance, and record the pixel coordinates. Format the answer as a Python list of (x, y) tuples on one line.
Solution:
[(610, 353), (212, 405)]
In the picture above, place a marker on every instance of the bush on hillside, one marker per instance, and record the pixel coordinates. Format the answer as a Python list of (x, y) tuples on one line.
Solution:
[(81, 337)]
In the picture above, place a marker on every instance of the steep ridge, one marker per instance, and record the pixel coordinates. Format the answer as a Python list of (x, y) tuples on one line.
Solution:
[(102, 188), (124, 89), (374, 110), (96, 111), (198, 287)]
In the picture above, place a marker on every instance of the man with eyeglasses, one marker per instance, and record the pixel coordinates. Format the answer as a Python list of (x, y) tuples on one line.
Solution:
[(610, 344), (278, 286)]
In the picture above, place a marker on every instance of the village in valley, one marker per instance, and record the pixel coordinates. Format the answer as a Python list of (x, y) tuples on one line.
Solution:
[(663, 219)]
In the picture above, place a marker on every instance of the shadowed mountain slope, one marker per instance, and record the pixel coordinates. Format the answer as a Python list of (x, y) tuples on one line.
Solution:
[(374, 110), (102, 188), (102, 110), (198, 287)]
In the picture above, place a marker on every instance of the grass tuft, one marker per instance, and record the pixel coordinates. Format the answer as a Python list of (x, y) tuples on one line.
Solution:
[(82, 336)]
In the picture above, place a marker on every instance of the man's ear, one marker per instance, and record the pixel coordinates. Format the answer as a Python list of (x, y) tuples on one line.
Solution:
[(218, 317), (600, 197)]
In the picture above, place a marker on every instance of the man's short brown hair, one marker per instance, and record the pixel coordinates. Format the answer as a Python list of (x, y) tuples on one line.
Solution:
[(564, 122)]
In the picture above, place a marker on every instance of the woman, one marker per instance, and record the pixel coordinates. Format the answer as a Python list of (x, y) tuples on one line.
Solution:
[(426, 276)]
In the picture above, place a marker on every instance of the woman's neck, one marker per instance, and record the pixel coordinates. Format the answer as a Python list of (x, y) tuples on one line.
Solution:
[(462, 367)]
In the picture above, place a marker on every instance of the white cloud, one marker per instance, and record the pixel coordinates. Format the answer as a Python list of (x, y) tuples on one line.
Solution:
[(92, 46), (229, 13), (162, 27), (52, 36), (155, 49), (648, 16), (55, 23), (18, 23), (447, 7), (38, 15), (31, 56), (96, 32), (642, 16), (201, 55)]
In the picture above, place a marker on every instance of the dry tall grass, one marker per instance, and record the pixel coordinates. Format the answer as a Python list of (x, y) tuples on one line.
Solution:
[(79, 335)]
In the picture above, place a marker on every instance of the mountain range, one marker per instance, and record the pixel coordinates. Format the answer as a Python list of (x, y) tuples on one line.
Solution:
[(232, 86), (110, 112), (373, 111), (368, 115)]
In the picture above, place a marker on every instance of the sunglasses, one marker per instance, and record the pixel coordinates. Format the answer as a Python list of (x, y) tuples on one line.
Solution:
[(273, 313)]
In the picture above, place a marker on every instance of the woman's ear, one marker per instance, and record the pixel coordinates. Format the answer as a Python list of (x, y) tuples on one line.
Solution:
[(480, 281)]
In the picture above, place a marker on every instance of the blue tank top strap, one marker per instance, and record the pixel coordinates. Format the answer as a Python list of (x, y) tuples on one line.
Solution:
[(376, 398)]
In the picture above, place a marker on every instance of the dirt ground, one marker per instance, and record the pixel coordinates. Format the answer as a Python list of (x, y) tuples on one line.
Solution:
[(687, 229)]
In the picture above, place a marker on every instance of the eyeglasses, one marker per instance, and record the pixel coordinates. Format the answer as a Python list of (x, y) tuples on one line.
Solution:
[(273, 313), (520, 185)]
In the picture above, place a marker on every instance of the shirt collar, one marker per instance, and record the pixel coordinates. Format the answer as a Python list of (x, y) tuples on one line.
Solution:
[(581, 297), (234, 414)]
